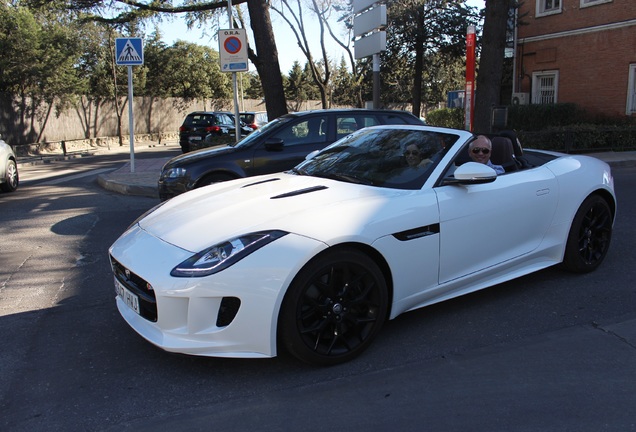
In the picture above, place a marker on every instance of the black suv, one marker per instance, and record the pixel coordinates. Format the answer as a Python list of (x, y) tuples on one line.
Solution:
[(201, 126), (278, 146)]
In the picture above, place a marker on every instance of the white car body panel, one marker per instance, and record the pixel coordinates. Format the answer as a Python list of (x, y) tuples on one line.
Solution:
[(475, 236), (468, 237), (189, 305)]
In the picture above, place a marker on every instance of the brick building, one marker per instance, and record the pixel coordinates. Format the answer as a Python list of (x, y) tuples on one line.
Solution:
[(577, 51)]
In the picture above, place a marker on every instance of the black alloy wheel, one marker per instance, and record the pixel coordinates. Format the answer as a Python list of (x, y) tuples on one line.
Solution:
[(334, 308), (590, 236)]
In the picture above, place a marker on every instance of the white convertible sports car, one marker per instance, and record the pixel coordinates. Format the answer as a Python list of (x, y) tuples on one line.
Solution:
[(386, 220)]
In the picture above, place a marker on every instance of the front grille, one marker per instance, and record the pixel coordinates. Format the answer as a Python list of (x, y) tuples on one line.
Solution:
[(138, 286)]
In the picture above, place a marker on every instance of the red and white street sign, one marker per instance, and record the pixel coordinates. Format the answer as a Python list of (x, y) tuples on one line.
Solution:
[(233, 50)]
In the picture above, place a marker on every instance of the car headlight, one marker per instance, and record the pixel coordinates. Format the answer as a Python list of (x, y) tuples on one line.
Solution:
[(223, 255), (173, 173)]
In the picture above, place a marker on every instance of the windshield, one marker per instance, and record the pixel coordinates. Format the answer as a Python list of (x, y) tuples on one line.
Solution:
[(254, 136), (398, 158)]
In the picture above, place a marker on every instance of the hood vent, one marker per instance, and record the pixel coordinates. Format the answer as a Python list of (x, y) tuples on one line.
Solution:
[(299, 192), (260, 182)]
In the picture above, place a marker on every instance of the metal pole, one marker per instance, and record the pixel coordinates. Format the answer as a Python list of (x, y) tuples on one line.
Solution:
[(376, 81), (514, 52), (237, 120), (469, 96), (131, 121)]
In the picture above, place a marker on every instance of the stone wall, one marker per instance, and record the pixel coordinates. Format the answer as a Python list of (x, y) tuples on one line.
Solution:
[(97, 120), (93, 124)]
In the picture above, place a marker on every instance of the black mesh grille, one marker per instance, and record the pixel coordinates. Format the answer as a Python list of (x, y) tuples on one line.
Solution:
[(139, 287)]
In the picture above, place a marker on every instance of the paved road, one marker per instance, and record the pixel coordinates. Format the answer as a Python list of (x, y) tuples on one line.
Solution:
[(548, 352)]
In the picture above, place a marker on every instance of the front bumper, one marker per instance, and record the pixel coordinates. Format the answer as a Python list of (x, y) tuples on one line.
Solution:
[(171, 187), (189, 316)]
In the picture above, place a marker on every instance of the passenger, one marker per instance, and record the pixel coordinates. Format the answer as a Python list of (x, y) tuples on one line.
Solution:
[(479, 151), (413, 157)]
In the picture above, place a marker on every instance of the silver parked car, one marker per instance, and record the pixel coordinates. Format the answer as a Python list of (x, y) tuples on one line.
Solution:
[(9, 178)]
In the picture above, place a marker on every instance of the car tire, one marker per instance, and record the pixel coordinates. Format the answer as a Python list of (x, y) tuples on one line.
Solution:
[(589, 237), (334, 308), (214, 178), (11, 178)]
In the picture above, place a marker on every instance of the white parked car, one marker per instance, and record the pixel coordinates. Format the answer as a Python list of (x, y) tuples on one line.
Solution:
[(316, 259), (9, 178)]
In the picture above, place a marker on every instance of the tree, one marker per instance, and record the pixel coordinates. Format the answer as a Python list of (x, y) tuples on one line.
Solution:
[(300, 86), (42, 75), (192, 71), (491, 62), (252, 88), (345, 86), (266, 61), (264, 56), (418, 30), (292, 13)]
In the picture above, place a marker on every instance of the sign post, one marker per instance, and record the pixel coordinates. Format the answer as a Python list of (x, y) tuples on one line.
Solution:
[(233, 57), (130, 52), (469, 105), (369, 24)]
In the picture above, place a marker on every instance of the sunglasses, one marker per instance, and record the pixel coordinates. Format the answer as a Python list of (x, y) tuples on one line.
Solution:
[(480, 150)]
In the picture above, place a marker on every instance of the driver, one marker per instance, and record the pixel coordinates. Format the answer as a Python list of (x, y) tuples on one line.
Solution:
[(479, 151)]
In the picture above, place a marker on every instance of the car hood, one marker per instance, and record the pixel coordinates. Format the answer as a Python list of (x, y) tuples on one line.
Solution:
[(318, 208), (198, 155)]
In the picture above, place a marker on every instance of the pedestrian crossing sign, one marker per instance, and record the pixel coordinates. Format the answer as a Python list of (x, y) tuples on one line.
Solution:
[(129, 51)]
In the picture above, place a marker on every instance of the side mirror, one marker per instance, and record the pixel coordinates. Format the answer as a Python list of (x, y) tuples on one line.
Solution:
[(274, 144), (471, 173)]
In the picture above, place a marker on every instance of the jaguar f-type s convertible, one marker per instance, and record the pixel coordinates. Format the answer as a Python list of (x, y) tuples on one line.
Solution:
[(384, 221)]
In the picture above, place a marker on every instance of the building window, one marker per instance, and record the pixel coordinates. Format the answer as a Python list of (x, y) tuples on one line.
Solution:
[(548, 7), (545, 87), (586, 3), (631, 90)]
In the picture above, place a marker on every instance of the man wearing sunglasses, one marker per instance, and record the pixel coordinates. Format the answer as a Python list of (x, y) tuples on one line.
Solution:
[(479, 151)]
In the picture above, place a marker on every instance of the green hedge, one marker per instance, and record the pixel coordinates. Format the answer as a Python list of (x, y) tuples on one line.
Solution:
[(446, 117), (559, 127), (568, 128), (581, 138)]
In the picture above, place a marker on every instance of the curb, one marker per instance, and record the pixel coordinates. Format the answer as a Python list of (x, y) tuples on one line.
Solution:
[(127, 189), (40, 160)]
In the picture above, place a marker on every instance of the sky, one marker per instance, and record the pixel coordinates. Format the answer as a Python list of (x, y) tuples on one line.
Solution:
[(288, 50)]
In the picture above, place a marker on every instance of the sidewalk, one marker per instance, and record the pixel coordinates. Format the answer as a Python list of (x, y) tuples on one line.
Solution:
[(143, 182)]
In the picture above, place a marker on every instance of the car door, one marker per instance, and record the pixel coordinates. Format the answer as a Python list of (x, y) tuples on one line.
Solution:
[(287, 147), (483, 225)]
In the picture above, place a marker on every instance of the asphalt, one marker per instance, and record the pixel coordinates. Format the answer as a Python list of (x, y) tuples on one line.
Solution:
[(585, 371)]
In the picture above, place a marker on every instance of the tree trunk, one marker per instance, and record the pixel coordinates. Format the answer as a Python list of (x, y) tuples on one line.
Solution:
[(419, 65), (266, 61), (488, 86)]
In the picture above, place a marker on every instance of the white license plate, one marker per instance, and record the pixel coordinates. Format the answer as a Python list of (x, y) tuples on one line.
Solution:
[(131, 299), (195, 138)]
